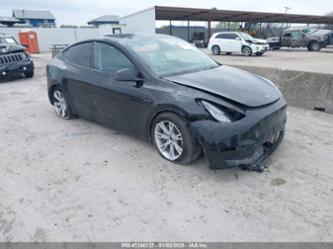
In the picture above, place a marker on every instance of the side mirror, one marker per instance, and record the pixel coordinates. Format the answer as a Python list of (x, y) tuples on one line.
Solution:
[(125, 75)]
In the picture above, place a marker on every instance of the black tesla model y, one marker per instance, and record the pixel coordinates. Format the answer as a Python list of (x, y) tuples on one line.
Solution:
[(165, 90)]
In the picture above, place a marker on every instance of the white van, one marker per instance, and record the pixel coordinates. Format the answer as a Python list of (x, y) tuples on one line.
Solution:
[(237, 42)]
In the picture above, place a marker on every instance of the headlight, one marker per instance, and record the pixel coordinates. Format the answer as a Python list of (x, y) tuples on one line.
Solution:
[(24, 56), (216, 113)]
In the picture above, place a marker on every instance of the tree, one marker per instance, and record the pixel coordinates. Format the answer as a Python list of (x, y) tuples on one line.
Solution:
[(224, 25)]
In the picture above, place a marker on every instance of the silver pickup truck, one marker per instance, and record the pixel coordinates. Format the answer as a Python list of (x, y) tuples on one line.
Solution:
[(313, 39)]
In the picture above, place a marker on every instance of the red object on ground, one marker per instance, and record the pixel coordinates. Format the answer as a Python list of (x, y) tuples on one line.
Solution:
[(29, 39)]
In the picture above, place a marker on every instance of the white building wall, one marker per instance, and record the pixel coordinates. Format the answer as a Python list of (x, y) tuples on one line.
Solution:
[(107, 29), (49, 36), (140, 22)]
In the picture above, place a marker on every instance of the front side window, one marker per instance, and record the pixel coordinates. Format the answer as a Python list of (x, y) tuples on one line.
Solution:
[(232, 36), (167, 55), (297, 34), (80, 54), (109, 59)]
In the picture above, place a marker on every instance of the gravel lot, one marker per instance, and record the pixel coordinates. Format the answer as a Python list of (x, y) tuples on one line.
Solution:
[(77, 181)]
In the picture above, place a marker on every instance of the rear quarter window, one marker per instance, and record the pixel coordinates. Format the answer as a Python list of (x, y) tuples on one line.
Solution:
[(80, 54)]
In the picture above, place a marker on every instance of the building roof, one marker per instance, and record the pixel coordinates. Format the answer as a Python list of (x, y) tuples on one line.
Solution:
[(33, 14), (8, 20), (105, 19), (194, 14)]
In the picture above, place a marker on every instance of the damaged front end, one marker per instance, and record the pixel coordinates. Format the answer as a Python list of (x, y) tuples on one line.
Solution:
[(245, 143), (14, 62)]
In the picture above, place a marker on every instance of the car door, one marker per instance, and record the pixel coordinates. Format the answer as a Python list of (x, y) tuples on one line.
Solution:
[(123, 105), (222, 41), (286, 39), (297, 39), (234, 43), (78, 79)]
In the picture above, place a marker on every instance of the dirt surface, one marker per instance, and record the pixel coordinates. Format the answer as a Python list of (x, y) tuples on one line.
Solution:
[(298, 59), (77, 181)]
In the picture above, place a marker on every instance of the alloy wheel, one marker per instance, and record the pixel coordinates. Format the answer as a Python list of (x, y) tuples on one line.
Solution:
[(59, 103), (246, 51), (315, 46), (216, 50), (168, 139)]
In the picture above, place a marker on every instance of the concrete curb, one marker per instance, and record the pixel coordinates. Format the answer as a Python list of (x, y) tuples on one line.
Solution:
[(307, 90)]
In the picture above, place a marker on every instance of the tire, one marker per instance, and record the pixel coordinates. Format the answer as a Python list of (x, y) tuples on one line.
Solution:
[(190, 148), (246, 51), (314, 46), (216, 50), (60, 104), (259, 54), (275, 48), (29, 74)]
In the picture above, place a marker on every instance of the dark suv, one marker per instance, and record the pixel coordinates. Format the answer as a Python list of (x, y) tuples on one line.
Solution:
[(14, 61), (311, 38)]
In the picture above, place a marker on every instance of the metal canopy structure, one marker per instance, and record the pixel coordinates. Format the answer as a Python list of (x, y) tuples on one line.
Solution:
[(194, 14)]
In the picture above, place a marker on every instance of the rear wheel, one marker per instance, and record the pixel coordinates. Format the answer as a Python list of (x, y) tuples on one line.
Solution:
[(216, 50), (246, 51), (60, 104), (173, 139)]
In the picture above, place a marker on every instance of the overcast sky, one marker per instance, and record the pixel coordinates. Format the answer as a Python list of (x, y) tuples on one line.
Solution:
[(81, 11)]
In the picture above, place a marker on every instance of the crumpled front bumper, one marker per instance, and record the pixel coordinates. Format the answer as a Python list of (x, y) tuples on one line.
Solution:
[(246, 143)]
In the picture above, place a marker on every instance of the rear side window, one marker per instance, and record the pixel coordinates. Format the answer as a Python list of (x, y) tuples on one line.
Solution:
[(80, 54), (221, 36), (110, 59), (227, 36)]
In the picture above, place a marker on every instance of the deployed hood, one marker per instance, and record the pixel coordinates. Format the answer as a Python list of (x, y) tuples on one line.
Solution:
[(231, 83), (10, 48), (260, 40)]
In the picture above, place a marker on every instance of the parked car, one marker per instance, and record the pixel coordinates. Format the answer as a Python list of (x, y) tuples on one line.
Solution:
[(14, 61), (311, 38), (237, 42), (163, 89)]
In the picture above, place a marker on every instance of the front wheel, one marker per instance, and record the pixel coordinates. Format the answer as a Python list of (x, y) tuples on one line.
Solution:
[(247, 51), (29, 74), (314, 46), (173, 139), (60, 104)]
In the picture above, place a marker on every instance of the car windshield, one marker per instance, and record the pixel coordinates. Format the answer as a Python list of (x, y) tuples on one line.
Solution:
[(246, 36), (7, 40), (310, 30), (168, 55)]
